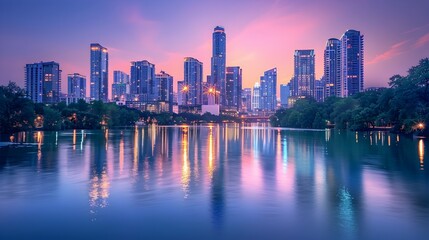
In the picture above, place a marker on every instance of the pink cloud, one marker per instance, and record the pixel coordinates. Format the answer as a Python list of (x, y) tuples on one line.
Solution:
[(422, 41), (393, 51)]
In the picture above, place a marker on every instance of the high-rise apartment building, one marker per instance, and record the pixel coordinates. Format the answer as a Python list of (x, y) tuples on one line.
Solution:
[(76, 86), (193, 81), (246, 99), (332, 68), (352, 67), (256, 97), (99, 68), (268, 91), (121, 86), (43, 82), (234, 79), (143, 81), (164, 85), (284, 95), (218, 63), (303, 80)]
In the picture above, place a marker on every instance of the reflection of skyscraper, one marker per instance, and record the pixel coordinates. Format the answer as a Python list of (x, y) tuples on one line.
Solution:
[(233, 87), (332, 68), (218, 62), (193, 80), (352, 74), (99, 72), (43, 82), (303, 81)]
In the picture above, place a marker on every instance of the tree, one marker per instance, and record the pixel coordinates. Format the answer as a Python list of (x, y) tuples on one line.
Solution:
[(16, 111)]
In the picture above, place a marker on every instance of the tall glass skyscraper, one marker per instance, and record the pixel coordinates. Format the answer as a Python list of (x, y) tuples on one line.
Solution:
[(193, 82), (332, 68), (303, 81), (143, 81), (284, 95), (268, 99), (218, 63), (76, 86), (99, 68), (43, 82), (352, 74), (256, 96), (234, 79)]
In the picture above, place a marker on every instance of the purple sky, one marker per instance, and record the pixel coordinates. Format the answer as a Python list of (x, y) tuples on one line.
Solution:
[(261, 34)]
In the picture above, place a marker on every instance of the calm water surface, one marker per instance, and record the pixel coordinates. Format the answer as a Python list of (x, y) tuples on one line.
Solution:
[(214, 182)]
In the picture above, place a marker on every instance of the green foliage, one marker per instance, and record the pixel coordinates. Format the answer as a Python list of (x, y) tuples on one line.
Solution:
[(402, 106), (16, 111)]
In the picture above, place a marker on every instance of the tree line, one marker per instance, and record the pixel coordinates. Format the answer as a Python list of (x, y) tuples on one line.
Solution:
[(18, 113), (402, 107)]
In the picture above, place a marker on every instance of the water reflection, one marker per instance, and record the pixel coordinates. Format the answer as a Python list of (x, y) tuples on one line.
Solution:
[(220, 178)]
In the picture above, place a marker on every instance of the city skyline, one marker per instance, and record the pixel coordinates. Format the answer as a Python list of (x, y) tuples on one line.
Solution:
[(390, 44)]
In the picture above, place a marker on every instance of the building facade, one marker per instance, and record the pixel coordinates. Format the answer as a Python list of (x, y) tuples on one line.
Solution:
[(76, 86), (332, 68), (143, 81), (352, 63), (193, 82), (121, 86), (246, 100), (284, 95), (218, 63), (268, 90), (303, 80), (234, 81), (99, 70), (256, 97), (43, 82), (164, 83)]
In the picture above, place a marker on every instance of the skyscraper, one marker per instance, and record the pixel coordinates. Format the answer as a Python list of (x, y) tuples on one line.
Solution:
[(256, 96), (180, 93), (303, 81), (76, 86), (120, 86), (164, 83), (332, 68), (193, 80), (43, 82), (99, 67), (218, 63), (284, 95), (268, 92), (234, 79), (143, 81), (352, 68)]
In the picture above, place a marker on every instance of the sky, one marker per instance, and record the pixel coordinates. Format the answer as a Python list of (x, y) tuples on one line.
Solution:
[(261, 34)]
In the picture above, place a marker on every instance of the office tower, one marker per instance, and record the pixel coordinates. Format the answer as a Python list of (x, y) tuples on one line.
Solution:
[(352, 69), (164, 85), (218, 63), (76, 86), (268, 91), (193, 80), (99, 68), (43, 82), (246, 99), (303, 80), (143, 81), (120, 86), (256, 96), (284, 95), (180, 92), (234, 79), (332, 68)]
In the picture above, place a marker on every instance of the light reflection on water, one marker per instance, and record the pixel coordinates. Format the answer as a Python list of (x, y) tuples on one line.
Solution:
[(215, 182)]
